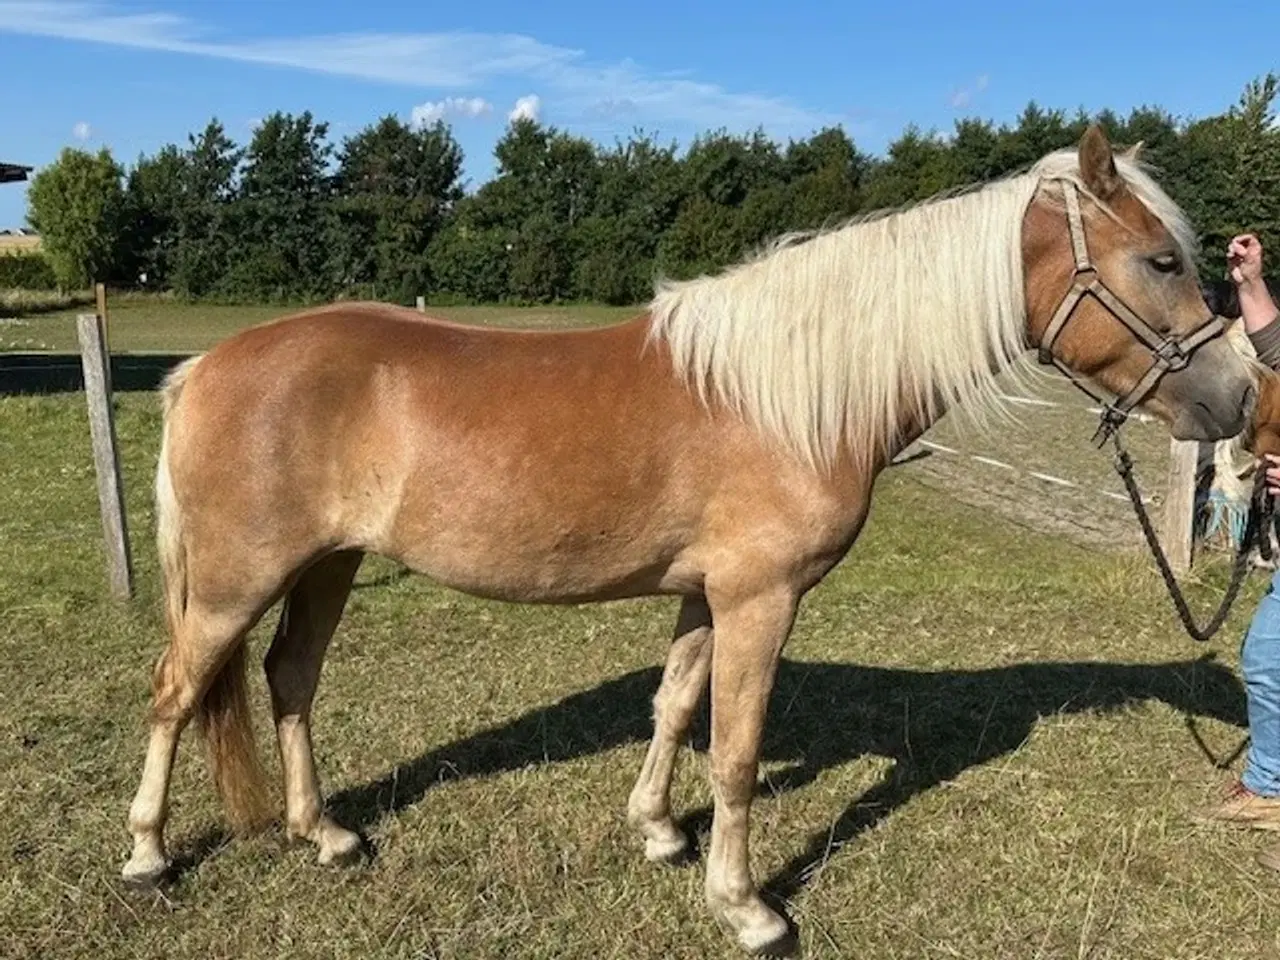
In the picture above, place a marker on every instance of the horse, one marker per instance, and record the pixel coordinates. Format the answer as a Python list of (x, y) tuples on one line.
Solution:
[(1262, 435), (721, 447)]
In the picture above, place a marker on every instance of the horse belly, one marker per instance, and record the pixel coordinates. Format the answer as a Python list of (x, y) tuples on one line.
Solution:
[(511, 540)]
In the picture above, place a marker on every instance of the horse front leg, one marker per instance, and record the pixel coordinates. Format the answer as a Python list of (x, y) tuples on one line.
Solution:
[(683, 679), (750, 633)]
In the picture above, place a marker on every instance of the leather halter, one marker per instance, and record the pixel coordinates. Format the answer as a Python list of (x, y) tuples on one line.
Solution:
[(1168, 353)]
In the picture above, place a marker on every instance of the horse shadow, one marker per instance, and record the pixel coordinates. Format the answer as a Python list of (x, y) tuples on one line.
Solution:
[(933, 725)]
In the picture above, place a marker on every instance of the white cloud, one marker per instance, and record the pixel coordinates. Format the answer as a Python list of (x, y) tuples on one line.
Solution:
[(526, 108), (426, 59), (961, 98), (82, 131), (426, 114), (442, 61)]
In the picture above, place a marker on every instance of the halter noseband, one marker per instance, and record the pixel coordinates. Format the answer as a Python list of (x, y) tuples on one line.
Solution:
[(1168, 353)]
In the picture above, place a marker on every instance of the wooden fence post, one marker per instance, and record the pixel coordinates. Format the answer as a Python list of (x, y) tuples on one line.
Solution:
[(1178, 521), (100, 297), (422, 304), (106, 457)]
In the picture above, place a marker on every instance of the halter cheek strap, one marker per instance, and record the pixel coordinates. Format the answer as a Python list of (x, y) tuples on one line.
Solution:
[(1168, 353)]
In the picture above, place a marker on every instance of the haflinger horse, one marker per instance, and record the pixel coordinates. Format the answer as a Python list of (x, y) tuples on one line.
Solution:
[(1262, 436), (722, 448)]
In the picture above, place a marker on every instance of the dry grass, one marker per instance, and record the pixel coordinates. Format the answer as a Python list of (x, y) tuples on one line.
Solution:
[(28, 302), (16, 244), (978, 748), (147, 323)]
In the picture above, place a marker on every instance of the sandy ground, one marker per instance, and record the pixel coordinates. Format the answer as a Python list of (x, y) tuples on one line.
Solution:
[(1041, 470)]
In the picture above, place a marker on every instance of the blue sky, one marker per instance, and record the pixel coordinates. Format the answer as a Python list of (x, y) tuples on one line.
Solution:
[(136, 74)]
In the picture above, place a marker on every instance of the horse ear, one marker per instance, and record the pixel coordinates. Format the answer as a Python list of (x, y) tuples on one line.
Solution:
[(1134, 153), (1098, 164)]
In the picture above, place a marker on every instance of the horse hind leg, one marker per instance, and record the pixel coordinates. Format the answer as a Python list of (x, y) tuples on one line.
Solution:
[(684, 678), (311, 613), (200, 672)]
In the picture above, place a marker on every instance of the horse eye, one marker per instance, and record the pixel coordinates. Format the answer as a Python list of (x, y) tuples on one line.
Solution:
[(1167, 263)]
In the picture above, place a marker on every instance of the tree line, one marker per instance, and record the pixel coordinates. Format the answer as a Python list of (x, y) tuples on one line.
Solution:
[(293, 216)]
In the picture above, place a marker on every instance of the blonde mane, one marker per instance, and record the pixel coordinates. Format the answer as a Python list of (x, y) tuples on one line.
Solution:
[(826, 339)]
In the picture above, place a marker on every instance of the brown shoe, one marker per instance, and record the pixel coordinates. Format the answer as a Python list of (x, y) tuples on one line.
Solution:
[(1270, 858), (1242, 807)]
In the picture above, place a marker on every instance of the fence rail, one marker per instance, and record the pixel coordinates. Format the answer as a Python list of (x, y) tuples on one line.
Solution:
[(44, 372)]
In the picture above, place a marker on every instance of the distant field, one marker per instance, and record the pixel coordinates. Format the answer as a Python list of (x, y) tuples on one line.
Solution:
[(145, 323), (18, 244)]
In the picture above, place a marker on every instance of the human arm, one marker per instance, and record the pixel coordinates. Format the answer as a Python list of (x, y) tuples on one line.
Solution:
[(1258, 310)]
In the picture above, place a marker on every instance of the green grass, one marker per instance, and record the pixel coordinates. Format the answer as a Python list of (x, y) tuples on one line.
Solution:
[(140, 323), (977, 748)]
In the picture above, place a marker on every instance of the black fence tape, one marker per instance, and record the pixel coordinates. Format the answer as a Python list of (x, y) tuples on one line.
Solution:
[(34, 373)]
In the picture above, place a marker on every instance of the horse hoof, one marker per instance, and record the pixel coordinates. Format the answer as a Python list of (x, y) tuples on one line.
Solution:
[(343, 849), (758, 929), (144, 875), (770, 940), (672, 851)]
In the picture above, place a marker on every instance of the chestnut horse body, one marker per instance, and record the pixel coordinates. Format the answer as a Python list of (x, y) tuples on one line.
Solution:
[(722, 448)]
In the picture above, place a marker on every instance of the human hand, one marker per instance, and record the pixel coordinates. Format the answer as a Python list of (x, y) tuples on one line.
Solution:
[(1273, 474), (1244, 260)]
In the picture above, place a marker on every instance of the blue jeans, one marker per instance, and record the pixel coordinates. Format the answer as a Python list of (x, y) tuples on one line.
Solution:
[(1260, 664)]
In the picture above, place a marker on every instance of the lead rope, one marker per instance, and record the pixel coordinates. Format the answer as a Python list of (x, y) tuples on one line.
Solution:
[(1257, 528)]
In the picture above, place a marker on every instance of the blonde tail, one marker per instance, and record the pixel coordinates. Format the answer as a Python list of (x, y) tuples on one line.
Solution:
[(223, 711), (169, 541)]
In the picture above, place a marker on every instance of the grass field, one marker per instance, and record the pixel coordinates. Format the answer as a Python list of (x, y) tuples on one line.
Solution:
[(979, 746), (149, 323), (23, 303)]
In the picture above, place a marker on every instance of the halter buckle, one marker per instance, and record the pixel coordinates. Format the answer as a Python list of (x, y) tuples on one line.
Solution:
[(1171, 354)]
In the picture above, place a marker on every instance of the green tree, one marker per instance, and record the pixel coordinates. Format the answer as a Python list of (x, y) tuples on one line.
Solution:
[(563, 217), (734, 196), (282, 212), (395, 187), (154, 198), (975, 154), (724, 169), (206, 237), (1038, 132), (1257, 162), (77, 204), (703, 238), (638, 197), (471, 262), (919, 166), (1226, 174), (546, 184), (540, 264), (826, 176)]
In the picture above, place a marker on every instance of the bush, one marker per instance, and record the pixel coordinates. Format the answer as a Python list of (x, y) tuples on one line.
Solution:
[(26, 271), (471, 264)]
